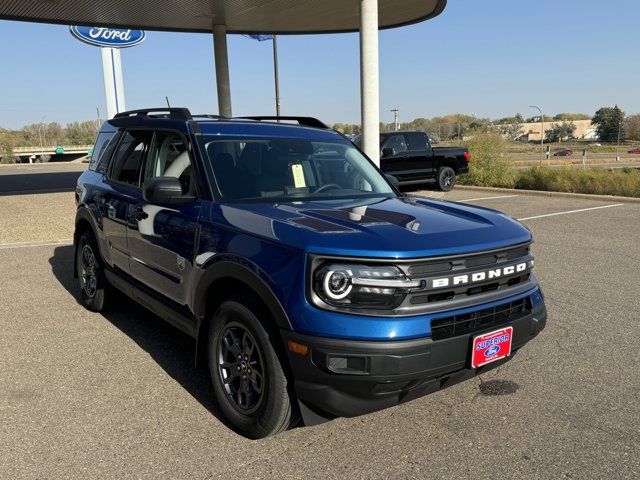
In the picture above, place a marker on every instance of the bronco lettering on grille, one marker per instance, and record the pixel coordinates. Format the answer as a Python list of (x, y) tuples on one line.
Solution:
[(478, 276)]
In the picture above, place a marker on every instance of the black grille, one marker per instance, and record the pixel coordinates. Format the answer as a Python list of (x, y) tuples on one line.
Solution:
[(477, 321)]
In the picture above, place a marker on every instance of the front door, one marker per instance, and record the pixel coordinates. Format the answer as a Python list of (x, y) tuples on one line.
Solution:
[(162, 239), (420, 158), (394, 159)]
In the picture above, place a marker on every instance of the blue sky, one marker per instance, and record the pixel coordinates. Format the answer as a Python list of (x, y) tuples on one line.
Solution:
[(492, 58)]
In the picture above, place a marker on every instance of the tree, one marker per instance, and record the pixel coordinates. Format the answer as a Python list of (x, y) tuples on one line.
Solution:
[(6, 146), (560, 131), (609, 123), (632, 127), (536, 119), (572, 116)]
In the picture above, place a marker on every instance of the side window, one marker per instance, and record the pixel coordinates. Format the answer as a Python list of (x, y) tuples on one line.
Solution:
[(168, 157), (396, 142), (127, 164), (416, 141), (103, 149)]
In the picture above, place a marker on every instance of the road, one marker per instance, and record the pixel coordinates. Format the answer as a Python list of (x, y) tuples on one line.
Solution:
[(115, 395), (39, 177)]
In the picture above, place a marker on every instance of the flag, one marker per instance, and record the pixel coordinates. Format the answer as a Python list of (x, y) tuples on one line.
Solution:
[(260, 38)]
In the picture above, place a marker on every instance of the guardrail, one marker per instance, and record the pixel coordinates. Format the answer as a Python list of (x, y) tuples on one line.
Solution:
[(52, 150)]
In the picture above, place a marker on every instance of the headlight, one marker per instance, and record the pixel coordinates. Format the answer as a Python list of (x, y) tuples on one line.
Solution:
[(362, 286)]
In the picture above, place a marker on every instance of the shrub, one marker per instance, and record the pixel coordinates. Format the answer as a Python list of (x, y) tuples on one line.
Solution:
[(490, 165)]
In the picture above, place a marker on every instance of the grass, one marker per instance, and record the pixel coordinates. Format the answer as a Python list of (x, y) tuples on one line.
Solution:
[(623, 182), (492, 166)]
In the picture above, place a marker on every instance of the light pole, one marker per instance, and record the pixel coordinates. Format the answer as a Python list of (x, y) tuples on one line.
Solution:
[(396, 123), (541, 132)]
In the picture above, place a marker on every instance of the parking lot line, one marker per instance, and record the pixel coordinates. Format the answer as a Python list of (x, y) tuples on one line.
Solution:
[(7, 246), (485, 198), (572, 211)]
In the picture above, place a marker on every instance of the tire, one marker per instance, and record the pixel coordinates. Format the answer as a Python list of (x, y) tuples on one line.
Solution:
[(95, 290), (248, 375), (446, 179)]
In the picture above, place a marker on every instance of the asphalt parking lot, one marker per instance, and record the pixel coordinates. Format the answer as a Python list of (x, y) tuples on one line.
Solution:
[(85, 395)]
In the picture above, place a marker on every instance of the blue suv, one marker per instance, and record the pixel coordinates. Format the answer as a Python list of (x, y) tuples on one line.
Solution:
[(312, 287)]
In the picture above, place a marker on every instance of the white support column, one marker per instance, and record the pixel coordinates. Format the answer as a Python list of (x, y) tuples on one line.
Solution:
[(369, 84), (113, 84), (222, 69)]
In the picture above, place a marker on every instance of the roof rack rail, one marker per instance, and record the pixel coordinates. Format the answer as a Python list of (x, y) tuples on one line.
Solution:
[(174, 113), (304, 121), (208, 115)]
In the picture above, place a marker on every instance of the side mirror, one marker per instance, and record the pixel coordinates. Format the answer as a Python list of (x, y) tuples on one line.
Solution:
[(388, 152), (165, 191), (393, 180)]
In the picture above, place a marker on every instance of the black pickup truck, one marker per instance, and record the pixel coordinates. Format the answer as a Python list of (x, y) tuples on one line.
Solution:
[(410, 157)]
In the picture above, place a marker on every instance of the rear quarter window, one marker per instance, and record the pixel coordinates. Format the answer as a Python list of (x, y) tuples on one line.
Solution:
[(102, 151)]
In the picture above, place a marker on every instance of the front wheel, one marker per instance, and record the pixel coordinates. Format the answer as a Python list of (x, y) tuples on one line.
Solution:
[(446, 179), (248, 377)]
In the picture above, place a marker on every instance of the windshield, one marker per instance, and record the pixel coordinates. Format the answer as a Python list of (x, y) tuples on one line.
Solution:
[(291, 169)]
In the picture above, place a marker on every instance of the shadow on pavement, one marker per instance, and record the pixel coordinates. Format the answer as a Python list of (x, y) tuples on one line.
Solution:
[(42, 182), (173, 350)]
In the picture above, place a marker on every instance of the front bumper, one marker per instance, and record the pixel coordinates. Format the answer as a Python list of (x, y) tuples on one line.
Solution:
[(347, 378)]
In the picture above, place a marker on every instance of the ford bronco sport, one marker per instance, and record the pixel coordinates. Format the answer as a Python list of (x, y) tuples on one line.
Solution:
[(311, 286)]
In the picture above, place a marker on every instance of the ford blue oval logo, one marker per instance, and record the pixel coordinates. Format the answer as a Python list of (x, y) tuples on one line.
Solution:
[(491, 351), (108, 37)]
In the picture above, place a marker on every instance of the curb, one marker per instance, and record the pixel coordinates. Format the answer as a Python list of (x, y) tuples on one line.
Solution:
[(541, 193)]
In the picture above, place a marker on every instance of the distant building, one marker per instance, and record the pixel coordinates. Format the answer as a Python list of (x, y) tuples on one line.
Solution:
[(530, 132)]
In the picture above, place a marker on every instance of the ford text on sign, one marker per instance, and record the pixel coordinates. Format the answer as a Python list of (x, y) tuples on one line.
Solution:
[(108, 37)]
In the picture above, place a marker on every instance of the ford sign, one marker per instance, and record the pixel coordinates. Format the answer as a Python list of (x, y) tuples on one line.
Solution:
[(489, 352), (108, 37)]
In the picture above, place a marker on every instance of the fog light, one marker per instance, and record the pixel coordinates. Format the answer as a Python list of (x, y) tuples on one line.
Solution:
[(348, 365)]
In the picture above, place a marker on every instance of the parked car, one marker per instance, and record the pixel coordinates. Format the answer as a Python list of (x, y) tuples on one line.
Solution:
[(567, 152), (411, 159), (634, 150), (594, 145), (310, 286)]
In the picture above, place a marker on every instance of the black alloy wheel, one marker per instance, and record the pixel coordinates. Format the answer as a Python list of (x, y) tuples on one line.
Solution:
[(241, 368)]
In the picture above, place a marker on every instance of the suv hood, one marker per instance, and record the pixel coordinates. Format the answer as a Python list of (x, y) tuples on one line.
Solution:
[(406, 227)]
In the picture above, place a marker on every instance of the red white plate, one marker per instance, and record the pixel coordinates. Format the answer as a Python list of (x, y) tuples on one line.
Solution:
[(490, 347)]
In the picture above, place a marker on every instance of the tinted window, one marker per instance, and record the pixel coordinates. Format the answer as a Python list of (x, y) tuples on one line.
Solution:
[(397, 142), (127, 164), (416, 141), (168, 157), (273, 169), (102, 151)]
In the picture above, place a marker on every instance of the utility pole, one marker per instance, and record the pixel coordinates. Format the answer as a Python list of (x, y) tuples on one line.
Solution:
[(541, 132), (396, 121), (618, 146)]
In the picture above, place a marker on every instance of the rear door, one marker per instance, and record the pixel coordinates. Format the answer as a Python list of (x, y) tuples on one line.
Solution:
[(162, 239), (123, 182), (420, 157)]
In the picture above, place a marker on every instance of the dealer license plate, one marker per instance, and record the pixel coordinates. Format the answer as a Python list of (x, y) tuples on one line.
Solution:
[(492, 346)]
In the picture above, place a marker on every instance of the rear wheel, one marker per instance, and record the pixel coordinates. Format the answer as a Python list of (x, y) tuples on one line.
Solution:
[(248, 377), (446, 179), (94, 287)]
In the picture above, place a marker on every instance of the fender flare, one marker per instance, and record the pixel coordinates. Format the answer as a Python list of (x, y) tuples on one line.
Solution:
[(232, 269)]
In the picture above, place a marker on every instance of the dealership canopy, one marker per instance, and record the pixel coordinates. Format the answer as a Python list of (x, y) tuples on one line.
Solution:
[(246, 16)]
